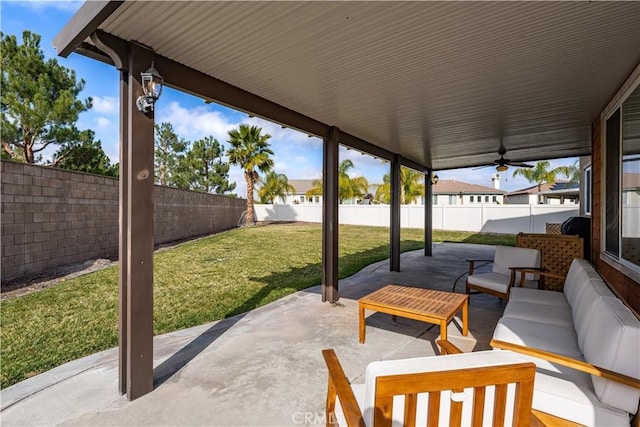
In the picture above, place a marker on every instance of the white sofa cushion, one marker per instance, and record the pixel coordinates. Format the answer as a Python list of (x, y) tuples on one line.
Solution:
[(515, 257), (568, 393), (587, 301), (579, 274), (613, 343), (559, 339), (495, 281), (539, 312), (538, 296)]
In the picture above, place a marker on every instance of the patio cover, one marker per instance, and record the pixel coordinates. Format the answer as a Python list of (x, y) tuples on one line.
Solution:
[(428, 85), (440, 83)]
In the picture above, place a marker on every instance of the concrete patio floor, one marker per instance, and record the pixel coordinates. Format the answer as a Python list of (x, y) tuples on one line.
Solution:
[(261, 368)]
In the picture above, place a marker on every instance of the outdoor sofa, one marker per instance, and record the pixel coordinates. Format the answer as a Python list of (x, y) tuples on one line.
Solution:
[(584, 343)]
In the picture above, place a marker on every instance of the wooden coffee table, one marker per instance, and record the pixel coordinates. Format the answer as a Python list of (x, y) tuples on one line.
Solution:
[(426, 305)]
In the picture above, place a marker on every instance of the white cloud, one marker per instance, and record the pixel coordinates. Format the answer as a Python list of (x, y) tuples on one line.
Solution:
[(195, 123), (103, 123), (105, 104)]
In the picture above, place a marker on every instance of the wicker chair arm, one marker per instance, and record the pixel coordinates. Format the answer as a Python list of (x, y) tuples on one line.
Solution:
[(579, 365), (339, 386)]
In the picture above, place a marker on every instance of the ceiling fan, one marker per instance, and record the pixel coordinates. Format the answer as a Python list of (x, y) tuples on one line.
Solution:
[(503, 164)]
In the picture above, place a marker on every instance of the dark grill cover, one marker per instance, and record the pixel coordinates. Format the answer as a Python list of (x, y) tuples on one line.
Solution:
[(582, 227)]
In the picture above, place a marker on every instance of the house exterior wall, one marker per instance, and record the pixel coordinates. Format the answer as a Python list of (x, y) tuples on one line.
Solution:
[(465, 199), (615, 276), (300, 198), (522, 199), (52, 217)]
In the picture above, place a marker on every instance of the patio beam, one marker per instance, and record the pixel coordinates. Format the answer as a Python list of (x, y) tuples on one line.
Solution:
[(395, 214), (428, 213), (82, 24), (186, 79), (330, 217)]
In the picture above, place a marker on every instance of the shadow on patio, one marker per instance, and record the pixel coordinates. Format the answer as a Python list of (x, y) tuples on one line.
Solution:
[(263, 367)]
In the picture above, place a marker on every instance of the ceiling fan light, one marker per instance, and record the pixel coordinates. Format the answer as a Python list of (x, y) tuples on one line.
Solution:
[(502, 168)]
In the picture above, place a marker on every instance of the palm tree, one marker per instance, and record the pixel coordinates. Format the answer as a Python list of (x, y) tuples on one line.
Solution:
[(250, 150), (274, 185), (411, 187), (539, 174), (572, 172), (348, 188), (316, 188)]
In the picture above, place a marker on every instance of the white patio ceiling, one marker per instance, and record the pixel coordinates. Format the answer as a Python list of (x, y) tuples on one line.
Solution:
[(441, 83)]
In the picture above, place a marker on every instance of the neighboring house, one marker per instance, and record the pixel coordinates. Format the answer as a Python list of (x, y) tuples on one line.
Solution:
[(299, 197), (558, 193), (452, 192), (631, 189)]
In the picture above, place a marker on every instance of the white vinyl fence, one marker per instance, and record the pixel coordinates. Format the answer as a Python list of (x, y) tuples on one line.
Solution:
[(482, 218)]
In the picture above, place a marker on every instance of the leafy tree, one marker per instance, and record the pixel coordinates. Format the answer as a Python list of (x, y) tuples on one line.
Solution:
[(85, 156), (203, 169), (539, 175), (273, 186), (169, 150), (39, 102), (348, 188), (411, 187), (250, 150)]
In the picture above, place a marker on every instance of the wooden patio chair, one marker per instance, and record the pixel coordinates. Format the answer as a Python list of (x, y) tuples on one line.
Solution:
[(489, 387), (499, 281)]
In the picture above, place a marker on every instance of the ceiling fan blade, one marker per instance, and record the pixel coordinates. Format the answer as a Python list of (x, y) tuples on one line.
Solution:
[(520, 165), (482, 167)]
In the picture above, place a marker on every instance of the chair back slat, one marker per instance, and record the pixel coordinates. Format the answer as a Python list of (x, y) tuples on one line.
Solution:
[(383, 411), (434, 409), (410, 385), (455, 412), (410, 408), (524, 392), (478, 405), (499, 405)]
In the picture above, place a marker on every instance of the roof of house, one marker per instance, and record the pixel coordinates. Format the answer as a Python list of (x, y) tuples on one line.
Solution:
[(546, 188), (451, 186), (302, 185), (630, 181)]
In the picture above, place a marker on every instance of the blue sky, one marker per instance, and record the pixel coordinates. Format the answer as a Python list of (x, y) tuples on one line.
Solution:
[(296, 155)]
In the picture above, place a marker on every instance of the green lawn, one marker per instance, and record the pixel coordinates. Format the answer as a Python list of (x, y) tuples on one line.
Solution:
[(194, 283)]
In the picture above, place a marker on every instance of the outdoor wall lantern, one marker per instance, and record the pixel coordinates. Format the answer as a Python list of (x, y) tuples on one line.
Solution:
[(152, 87), (434, 179)]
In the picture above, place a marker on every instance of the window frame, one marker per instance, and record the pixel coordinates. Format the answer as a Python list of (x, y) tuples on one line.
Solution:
[(615, 106), (587, 183)]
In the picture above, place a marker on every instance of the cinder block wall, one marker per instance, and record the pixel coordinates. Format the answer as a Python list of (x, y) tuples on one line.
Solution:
[(53, 217)]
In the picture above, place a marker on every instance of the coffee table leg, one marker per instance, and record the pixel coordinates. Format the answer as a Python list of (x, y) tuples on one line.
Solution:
[(443, 330), (362, 325), (465, 318)]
